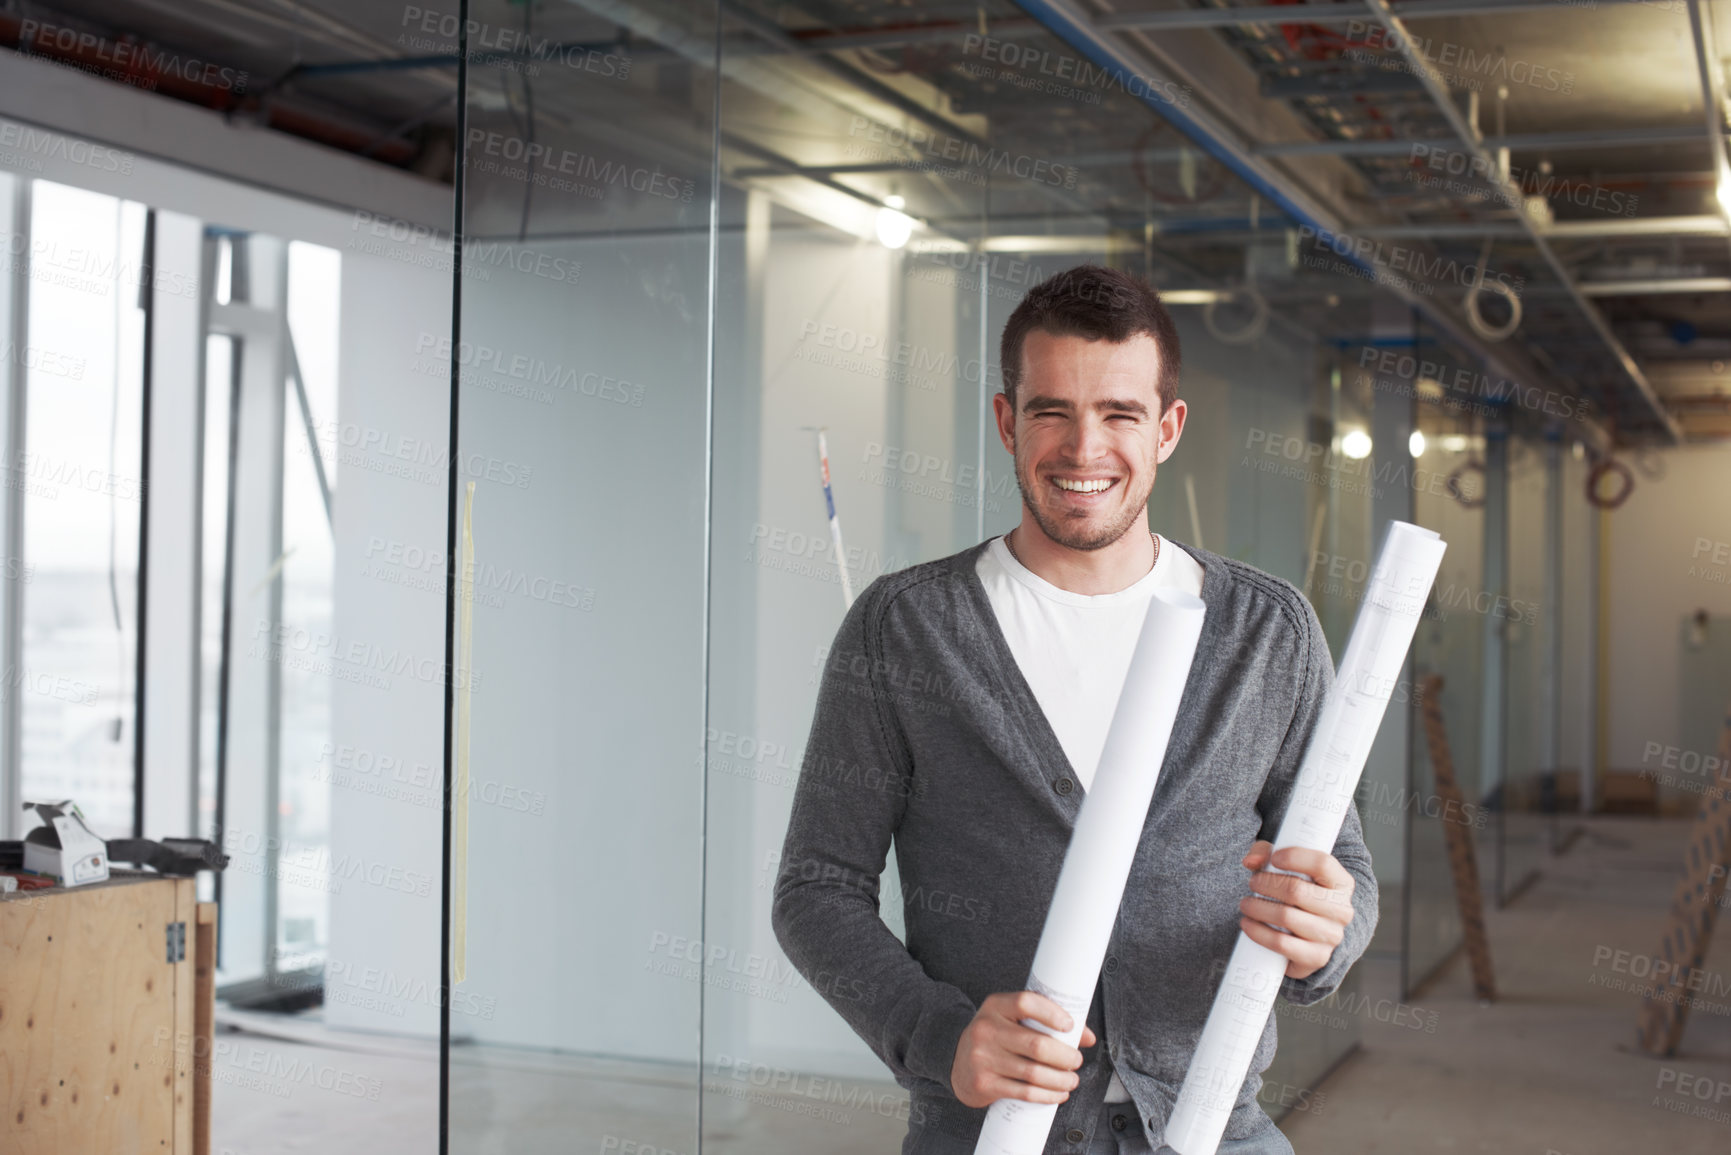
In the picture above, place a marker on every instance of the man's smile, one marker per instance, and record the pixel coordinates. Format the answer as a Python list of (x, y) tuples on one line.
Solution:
[(1084, 490)]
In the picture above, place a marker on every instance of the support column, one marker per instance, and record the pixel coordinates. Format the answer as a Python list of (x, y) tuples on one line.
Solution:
[(14, 332), (176, 505), (1493, 716), (251, 752), (1551, 736), (1393, 420)]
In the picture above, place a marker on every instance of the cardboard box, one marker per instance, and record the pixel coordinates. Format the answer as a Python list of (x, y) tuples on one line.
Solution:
[(64, 849)]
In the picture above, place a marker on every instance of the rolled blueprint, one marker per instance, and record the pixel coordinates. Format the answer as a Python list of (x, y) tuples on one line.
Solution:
[(1394, 600), (1102, 847)]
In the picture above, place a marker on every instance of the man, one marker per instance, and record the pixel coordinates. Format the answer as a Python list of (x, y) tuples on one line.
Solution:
[(961, 714)]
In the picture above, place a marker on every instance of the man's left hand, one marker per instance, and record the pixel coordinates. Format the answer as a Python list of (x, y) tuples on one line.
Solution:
[(1314, 910)]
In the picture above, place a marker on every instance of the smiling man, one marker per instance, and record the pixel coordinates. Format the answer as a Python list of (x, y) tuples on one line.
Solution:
[(961, 716)]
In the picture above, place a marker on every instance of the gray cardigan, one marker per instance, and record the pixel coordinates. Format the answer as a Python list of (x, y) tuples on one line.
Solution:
[(926, 732)]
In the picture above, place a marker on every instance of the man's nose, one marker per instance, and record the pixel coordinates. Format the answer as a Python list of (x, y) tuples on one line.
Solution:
[(1086, 439)]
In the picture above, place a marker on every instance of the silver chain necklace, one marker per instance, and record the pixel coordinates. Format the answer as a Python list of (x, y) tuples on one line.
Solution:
[(1024, 565)]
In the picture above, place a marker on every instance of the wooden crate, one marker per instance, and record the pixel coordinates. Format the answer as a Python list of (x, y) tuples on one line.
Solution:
[(1628, 792), (99, 1029)]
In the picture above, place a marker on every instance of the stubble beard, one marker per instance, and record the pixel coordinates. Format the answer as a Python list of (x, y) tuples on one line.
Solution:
[(1073, 533)]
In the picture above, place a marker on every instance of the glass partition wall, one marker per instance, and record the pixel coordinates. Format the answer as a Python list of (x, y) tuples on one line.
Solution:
[(719, 283), (1449, 646), (582, 356), (720, 341), (1529, 801), (222, 619)]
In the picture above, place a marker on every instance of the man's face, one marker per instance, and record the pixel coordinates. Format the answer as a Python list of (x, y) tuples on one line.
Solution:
[(1088, 416)]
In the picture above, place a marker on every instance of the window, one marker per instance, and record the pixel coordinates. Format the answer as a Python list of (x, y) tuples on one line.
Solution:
[(80, 473), (309, 480)]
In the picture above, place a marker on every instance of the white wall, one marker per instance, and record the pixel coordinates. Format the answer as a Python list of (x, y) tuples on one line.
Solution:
[(1580, 560), (1656, 581), (386, 750), (172, 610), (813, 279), (585, 859), (1452, 642)]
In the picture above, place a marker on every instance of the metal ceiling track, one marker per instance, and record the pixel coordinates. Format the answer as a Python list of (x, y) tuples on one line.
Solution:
[(1070, 24), (1404, 42), (1342, 13), (1245, 16), (1515, 142), (1712, 96)]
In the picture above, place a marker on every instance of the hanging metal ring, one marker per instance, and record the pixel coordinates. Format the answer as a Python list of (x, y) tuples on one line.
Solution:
[(1481, 326), (1252, 329), (1454, 483), (1604, 467)]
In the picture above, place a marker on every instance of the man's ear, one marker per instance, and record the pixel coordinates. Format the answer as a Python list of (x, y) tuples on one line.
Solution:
[(1001, 410), (1171, 428)]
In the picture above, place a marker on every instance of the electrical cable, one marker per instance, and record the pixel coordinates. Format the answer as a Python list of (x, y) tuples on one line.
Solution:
[(1476, 319)]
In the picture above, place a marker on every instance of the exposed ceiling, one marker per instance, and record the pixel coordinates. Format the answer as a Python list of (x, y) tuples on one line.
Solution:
[(1287, 154)]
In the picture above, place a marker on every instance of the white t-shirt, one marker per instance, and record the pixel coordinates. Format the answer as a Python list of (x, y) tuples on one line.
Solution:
[(1074, 650)]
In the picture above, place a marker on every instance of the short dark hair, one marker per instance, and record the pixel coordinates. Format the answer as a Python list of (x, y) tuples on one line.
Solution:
[(1097, 303)]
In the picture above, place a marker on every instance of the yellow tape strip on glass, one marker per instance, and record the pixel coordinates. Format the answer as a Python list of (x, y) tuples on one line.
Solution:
[(460, 787)]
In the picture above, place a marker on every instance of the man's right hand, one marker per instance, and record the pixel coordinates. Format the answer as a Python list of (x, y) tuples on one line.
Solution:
[(999, 1058)]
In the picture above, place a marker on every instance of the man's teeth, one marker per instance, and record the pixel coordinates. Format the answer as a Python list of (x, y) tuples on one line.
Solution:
[(1083, 486)]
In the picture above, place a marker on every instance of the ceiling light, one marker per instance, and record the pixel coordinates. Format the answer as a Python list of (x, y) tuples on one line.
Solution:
[(894, 226), (1191, 296), (1049, 244), (1415, 444), (1356, 444)]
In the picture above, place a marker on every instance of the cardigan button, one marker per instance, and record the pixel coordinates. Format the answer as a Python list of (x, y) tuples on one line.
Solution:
[(1112, 964), (1119, 1122), (1063, 785), (1074, 1136)]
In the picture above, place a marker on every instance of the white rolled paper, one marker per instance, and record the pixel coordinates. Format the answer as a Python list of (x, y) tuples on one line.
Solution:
[(1394, 600), (1102, 847)]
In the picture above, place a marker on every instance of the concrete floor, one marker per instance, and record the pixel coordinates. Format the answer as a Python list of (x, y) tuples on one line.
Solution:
[(1549, 1069), (1551, 1066), (285, 1086)]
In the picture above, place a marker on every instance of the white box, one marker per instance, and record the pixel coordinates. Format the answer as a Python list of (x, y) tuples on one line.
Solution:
[(64, 849)]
